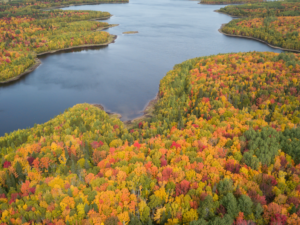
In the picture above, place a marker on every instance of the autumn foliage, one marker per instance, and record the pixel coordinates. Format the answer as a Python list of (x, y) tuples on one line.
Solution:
[(221, 148), (276, 23), (265, 9), (225, 2), (26, 31), (278, 31)]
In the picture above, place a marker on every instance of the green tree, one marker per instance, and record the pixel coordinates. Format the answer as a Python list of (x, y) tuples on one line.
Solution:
[(245, 204), (225, 186), (230, 203)]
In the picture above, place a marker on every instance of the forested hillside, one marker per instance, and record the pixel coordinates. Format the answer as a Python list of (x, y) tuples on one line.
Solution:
[(222, 147)]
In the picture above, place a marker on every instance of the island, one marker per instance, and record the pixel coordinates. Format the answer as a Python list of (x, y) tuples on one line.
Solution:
[(130, 32)]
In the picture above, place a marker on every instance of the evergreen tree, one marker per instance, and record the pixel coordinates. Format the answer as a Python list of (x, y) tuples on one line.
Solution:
[(231, 205)]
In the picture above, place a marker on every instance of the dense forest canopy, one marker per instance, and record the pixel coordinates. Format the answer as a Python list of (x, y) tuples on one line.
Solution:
[(266, 9), (278, 31), (22, 8), (221, 147), (225, 2)]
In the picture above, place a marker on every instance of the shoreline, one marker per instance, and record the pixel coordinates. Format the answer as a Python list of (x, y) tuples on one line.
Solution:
[(114, 37), (147, 112), (38, 62), (103, 109), (105, 28), (229, 3), (256, 39), (79, 4), (217, 10), (100, 18), (28, 70)]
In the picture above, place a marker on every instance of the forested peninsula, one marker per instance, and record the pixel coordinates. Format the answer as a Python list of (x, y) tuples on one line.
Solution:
[(276, 23), (27, 31), (266, 9)]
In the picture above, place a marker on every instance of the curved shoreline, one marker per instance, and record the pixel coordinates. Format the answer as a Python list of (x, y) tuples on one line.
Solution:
[(38, 62), (28, 70), (102, 108), (147, 112), (217, 10), (114, 37), (256, 39)]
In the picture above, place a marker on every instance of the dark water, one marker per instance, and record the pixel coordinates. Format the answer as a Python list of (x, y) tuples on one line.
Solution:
[(125, 75)]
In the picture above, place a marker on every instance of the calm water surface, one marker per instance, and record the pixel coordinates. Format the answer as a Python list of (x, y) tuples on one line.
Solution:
[(125, 75)]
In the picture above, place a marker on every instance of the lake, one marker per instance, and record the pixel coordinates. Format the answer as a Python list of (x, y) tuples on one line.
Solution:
[(125, 75)]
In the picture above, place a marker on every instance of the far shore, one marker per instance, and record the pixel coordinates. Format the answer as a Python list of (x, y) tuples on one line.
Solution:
[(112, 38), (228, 3), (257, 39), (38, 62), (79, 4)]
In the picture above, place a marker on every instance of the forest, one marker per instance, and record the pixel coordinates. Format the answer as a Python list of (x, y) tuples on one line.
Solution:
[(225, 2), (222, 147), (20, 7), (276, 23), (277, 31), (26, 30), (265, 9)]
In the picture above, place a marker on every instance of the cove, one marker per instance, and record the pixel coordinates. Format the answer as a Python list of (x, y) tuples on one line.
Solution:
[(125, 75)]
